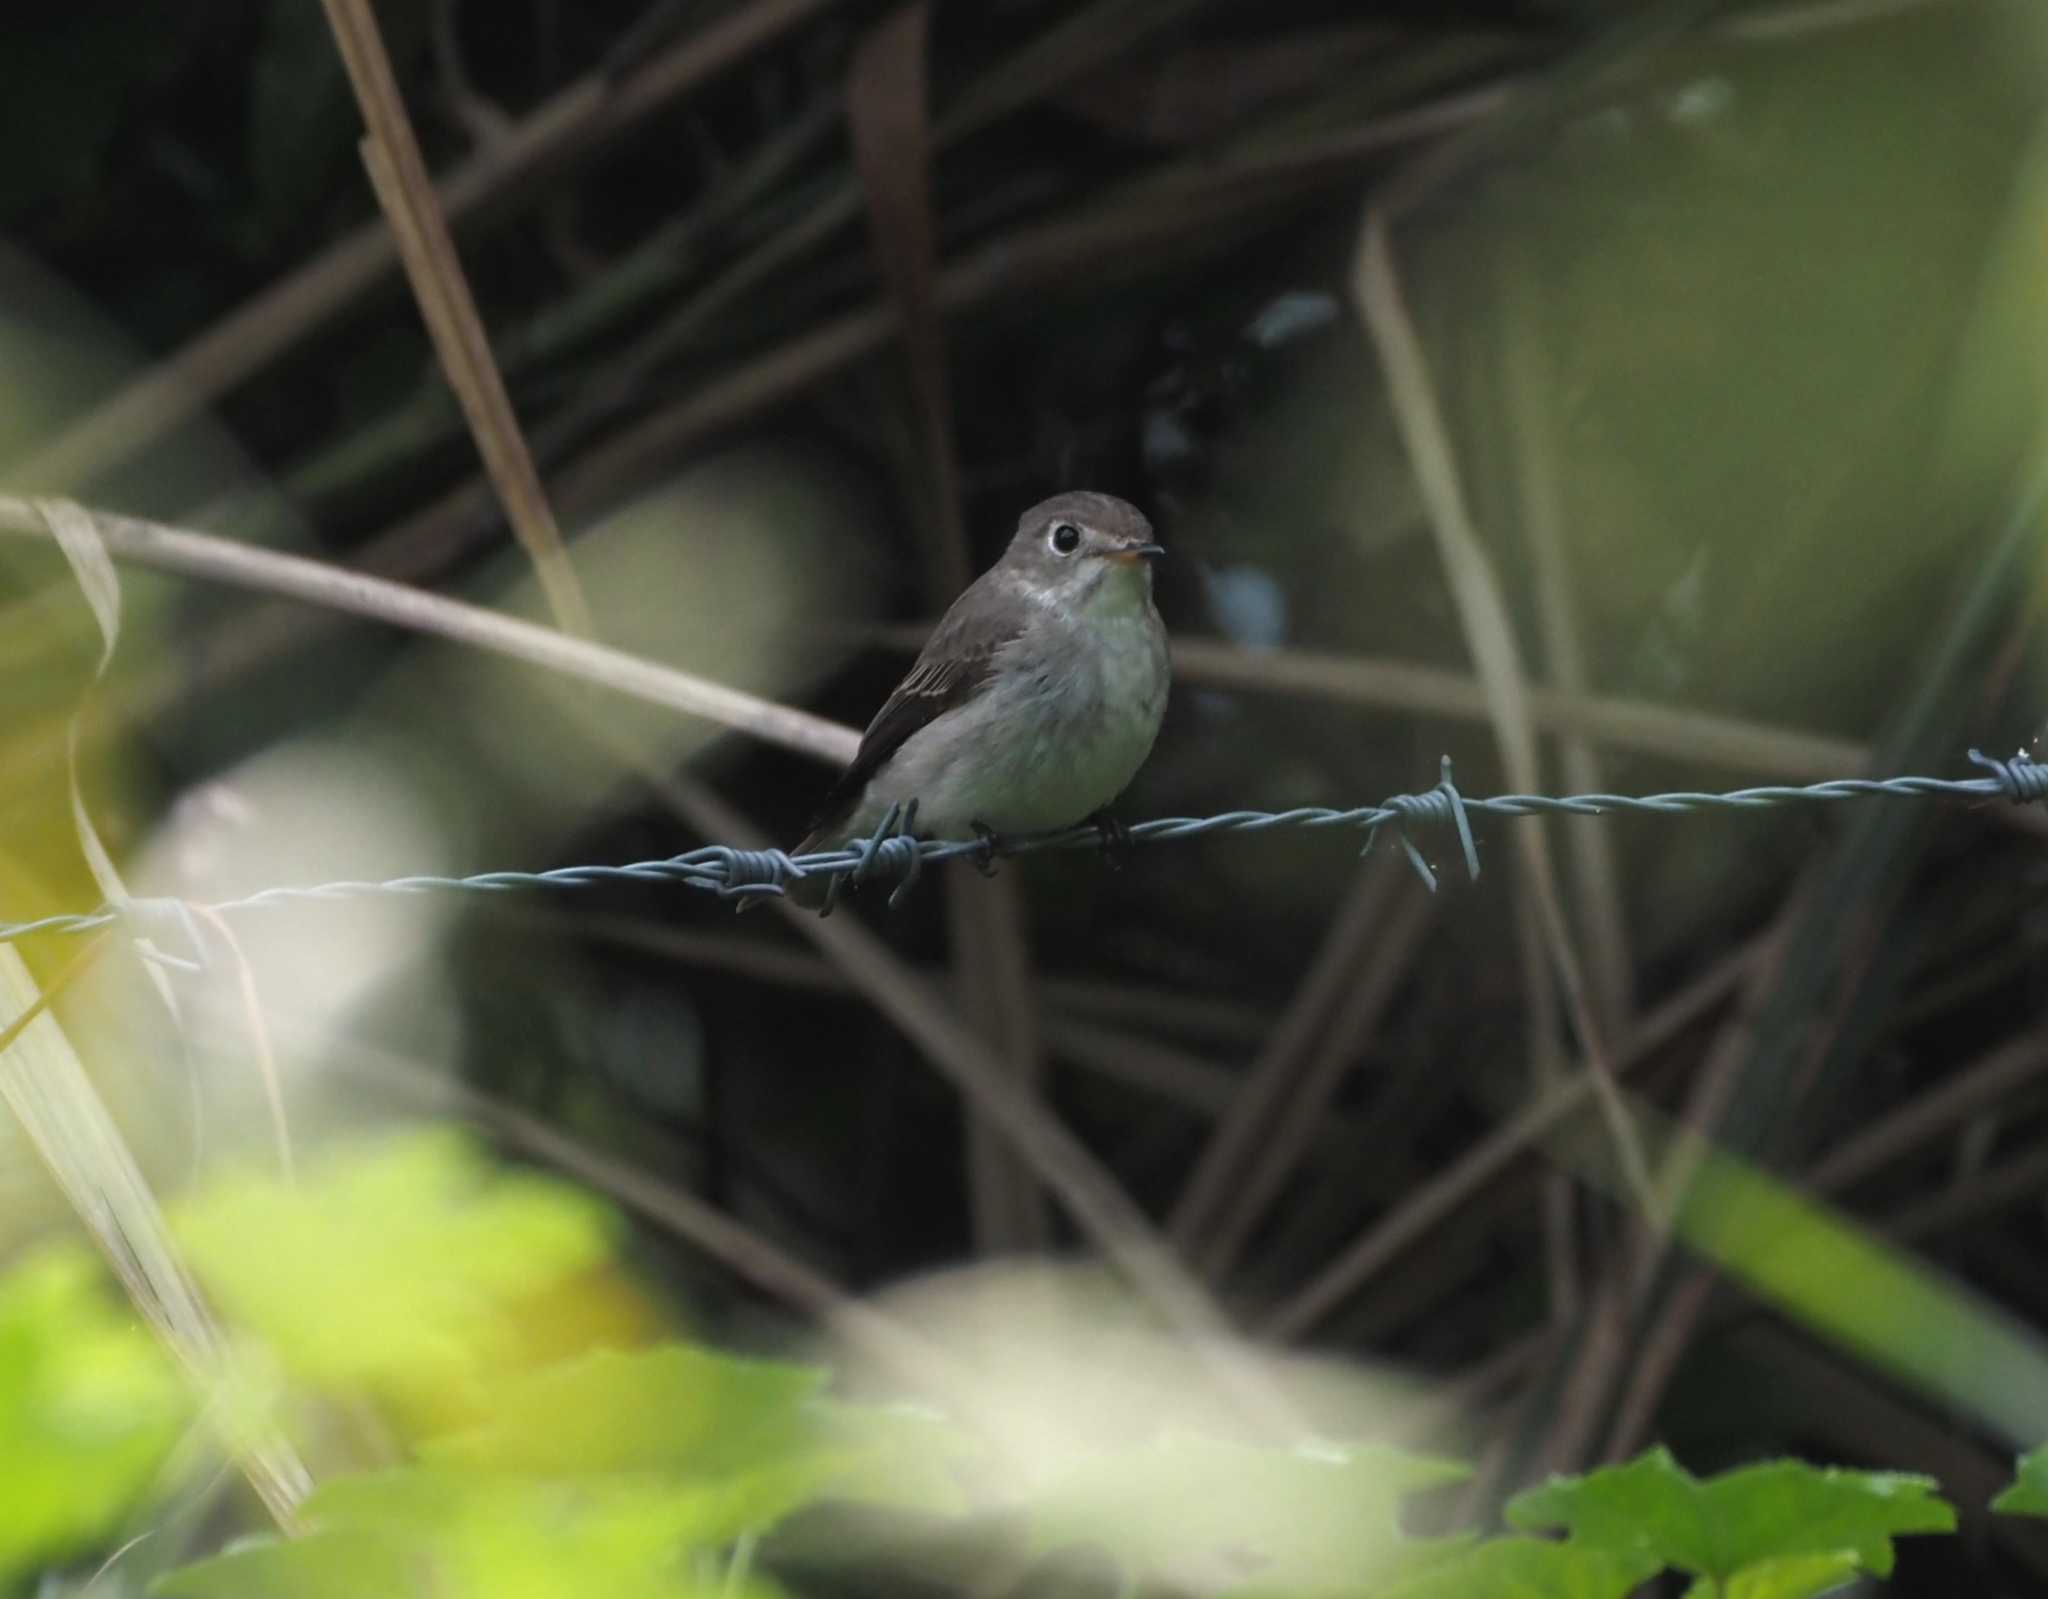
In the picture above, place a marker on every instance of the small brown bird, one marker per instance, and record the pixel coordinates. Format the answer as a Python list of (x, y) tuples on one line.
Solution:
[(1037, 697)]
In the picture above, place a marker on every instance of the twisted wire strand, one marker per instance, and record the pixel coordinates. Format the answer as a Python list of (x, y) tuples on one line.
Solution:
[(737, 873)]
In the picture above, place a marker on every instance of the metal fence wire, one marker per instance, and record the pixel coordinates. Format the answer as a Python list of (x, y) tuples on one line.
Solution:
[(893, 851)]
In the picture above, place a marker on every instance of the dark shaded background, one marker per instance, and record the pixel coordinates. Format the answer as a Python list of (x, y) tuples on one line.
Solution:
[(1738, 344)]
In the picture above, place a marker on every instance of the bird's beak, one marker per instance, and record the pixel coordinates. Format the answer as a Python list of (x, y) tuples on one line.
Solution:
[(1132, 554)]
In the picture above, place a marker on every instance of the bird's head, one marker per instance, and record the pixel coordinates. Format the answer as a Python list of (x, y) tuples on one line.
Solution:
[(1081, 549)]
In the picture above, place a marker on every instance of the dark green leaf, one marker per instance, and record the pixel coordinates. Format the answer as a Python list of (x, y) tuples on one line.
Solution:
[(1758, 1513), (2028, 1494)]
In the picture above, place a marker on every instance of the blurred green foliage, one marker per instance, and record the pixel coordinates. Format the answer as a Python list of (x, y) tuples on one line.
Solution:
[(2028, 1494), (89, 1410), (658, 1470), (410, 1276), (1802, 1523)]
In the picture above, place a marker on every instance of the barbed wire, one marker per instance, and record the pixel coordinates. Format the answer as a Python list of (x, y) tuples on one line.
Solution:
[(892, 850)]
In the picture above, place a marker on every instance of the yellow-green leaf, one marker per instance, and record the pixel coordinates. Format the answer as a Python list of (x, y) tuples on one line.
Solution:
[(89, 1408), (402, 1270)]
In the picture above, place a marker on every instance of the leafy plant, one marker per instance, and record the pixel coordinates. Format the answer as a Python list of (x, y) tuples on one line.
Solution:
[(410, 1272), (2028, 1493), (657, 1471), (89, 1408), (1782, 1529)]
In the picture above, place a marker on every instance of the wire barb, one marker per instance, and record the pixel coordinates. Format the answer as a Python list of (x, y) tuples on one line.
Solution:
[(754, 873), (2021, 778), (1440, 804), (894, 850)]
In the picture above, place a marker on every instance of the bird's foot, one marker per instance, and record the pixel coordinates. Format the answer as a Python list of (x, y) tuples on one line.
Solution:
[(1115, 839), (990, 841)]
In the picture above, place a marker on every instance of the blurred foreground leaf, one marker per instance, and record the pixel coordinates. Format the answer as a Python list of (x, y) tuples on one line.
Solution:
[(453, 1535), (89, 1407), (617, 1475), (1527, 1568), (2028, 1494), (404, 1272), (677, 1408), (761, 1428), (1795, 1577), (1785, 1515)]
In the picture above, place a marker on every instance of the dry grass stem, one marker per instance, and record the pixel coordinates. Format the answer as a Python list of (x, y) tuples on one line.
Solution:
[(1490, 635), (405, 190)]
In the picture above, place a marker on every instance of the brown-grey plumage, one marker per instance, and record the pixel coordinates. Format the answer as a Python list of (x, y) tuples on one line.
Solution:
[(1036, 698)]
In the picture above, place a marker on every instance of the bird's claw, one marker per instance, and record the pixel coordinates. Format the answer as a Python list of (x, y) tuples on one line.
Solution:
[(989, 842)]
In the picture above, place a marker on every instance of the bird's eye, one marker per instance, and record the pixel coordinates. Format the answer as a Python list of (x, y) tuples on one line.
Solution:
[(1066, 538)]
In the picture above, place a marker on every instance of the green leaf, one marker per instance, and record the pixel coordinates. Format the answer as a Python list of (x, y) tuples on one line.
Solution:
[(675, 1408), (1313, 1517), (2028, 1494), (322, 1565), (467, 1535), (89, 1408), (1716, 1528), (1527, 1568), (408, 1270), (691, 1411), (1794, 1577)]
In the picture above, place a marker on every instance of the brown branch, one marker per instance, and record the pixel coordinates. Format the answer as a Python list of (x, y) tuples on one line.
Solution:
[(246, 566)]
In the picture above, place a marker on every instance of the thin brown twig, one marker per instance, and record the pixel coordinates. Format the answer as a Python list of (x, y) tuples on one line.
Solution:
[(1387, 945), (405, 190), (2018, 1177), (221, 560), (2001, 1072), (1656, 1361), (1272, 1076)]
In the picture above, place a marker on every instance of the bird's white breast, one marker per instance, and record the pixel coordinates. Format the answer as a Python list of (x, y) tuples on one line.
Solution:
[(1068, 717)]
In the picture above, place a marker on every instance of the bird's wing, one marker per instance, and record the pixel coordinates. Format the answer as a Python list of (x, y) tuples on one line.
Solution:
[(950, 671)]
